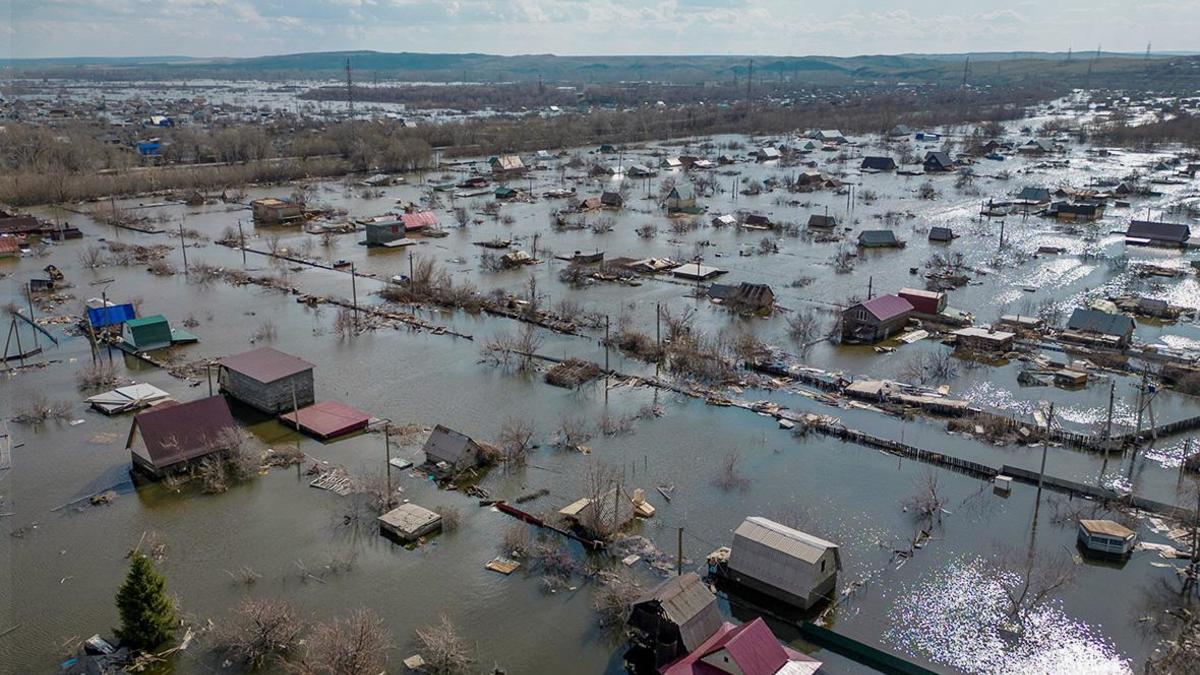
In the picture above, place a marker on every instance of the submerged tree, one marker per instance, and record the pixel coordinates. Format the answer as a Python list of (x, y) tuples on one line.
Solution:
[(147, 614)]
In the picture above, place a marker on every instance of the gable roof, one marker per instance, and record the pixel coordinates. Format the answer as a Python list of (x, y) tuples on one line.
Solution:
[(1145, 229), (877, 237), (888, 307), (1095, 321), (177, 432), (265, 364), (941, 234), (419, 220), (878, 163), (507, 163), (447, 445), (822, 220), (686, 602), (753, 650), (9, 245), (939, 158), (787, 540), (1034, 194)]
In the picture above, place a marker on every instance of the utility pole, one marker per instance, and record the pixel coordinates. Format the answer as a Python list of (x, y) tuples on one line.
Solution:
[(29, 299), (1045, 447), (679, 556), (1112, 392), (354, 294), (966, 71), (870, 286), (350, 88), (410, 267), (242, 240), (183, 247), (387, 446), (606, 369)]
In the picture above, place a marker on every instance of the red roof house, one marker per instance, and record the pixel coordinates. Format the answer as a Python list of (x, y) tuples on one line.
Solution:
[(748, 649), (876, 319)]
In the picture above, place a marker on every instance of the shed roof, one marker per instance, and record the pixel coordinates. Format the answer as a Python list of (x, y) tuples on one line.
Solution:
[(328, 419), (265, 364), (113, 315), (178, 432), (786, 540), (409, 518), (149, 332), (9, 244), (941, 234), (887, 307)]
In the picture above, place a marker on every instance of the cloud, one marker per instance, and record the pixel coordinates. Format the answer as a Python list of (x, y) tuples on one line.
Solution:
[(781, 27)]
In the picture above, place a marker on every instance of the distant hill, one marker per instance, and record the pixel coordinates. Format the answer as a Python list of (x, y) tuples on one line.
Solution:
[(1079, 69)]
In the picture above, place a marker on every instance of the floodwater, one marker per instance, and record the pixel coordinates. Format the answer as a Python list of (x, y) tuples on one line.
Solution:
[(939, 607)]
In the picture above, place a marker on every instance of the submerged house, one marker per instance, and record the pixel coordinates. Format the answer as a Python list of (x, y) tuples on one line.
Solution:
[(879, 239), (681, 199), (878, 164), (1106, 537), (267, 379), (169, 436), (451, 452), (782, 562), (875, 319), (1149, 233), (507, 164), (1090, 325), (938, 161), (675, 618), (941, 234), (1079, 211), (153, 332), (273, 211), (822, 221), (745, 297)]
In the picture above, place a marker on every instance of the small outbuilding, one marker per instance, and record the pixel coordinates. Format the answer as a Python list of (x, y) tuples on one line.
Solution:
[(681, 199), (929, 303), (941, 234), (1091, 325), (822, 221), (938, 161), (153, 332), (267, 379), (878, 164), (1166, 235), (675, 618), (409, 522), (1106, 537), (273, 211), (327, 420), (451, 452)]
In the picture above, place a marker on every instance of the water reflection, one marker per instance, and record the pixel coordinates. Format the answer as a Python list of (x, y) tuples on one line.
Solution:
[(957, 617)]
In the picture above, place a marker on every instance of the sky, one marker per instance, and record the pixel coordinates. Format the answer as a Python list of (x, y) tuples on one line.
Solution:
[(238, 28)]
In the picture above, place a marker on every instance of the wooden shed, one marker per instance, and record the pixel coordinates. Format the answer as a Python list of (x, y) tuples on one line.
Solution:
[(267, 379), (783, 562), (449, 451), (675, 618)]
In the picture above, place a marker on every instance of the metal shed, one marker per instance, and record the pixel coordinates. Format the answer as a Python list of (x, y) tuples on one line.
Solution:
[(784, 562), (409, 522)]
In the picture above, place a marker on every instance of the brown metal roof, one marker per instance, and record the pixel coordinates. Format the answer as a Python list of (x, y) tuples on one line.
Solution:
[(687, 603), (328, 419), (265, 365), (178, 432)]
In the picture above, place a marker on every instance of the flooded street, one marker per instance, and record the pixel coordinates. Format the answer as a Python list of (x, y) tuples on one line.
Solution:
[(944, 607)]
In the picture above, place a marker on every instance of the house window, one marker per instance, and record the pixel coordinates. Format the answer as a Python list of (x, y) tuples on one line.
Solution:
[(822, 565)]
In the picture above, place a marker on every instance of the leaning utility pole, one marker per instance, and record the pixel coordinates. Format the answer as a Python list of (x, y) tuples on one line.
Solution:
[(966, 71)]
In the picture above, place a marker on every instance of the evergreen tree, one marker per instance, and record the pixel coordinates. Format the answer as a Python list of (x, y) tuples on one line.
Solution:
[(147, 614)]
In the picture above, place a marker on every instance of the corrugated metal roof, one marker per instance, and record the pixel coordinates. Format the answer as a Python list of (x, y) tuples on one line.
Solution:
[(419, 220), (1144, 229), (784, 539), (328, 419), (178, 432), (102, 317), (1093, 321), (447, 445), (687, 603), (888, 307), (265, 364)]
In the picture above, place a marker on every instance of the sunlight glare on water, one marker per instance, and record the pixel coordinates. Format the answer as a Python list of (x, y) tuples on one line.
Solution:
[(955, 618)]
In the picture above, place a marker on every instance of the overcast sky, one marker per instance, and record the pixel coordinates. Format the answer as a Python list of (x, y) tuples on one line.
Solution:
[(41, 28)]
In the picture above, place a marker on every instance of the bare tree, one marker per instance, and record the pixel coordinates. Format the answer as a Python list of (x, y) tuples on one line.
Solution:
[(730, 476), (444, 650), (352, 645), (261, 630), (615, 597), (1029, 578), (927, 500), (516, 437), (572, 432)]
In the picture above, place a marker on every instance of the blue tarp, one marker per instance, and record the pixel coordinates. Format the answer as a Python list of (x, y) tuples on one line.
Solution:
[(102, 317)]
